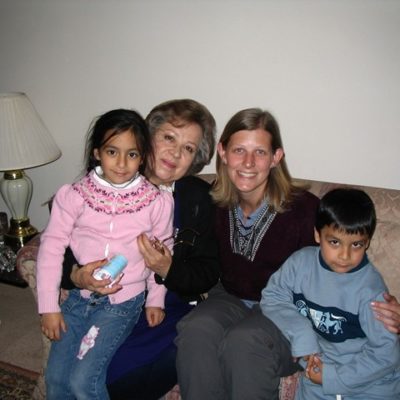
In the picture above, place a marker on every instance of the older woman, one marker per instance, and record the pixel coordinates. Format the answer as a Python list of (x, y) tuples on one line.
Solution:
[(183, 134)]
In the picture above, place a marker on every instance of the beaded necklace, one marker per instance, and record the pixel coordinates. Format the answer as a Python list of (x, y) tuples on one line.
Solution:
[(245, 239)]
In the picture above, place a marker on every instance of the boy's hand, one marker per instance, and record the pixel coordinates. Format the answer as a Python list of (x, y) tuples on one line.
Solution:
[(154, 316), (51, 325), (314, 369)]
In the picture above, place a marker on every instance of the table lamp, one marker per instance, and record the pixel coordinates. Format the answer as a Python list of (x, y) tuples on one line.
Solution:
[(25, 142)]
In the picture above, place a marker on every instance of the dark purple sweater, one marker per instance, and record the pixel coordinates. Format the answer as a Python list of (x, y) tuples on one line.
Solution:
[(288, 232)]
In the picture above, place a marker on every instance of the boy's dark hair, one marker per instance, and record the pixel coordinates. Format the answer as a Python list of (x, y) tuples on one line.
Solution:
[(348, 210)]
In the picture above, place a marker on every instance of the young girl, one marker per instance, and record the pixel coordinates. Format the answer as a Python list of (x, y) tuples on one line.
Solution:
[(99, 216)]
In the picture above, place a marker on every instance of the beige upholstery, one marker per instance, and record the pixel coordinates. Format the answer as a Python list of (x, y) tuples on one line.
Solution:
[(384, 253)]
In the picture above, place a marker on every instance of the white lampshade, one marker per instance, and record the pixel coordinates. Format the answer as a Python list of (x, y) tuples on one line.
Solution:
[(25, 142)]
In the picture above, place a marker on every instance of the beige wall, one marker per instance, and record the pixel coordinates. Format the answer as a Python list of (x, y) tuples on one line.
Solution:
[(328, 70)]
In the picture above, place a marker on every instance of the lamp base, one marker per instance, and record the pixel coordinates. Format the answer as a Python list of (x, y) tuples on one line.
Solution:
[(20, 232)]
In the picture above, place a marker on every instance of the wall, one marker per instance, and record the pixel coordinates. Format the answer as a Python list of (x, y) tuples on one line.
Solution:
[(328, 70)]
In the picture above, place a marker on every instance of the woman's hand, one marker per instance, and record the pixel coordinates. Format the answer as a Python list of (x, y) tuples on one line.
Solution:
[(388, 312), (83, 279), (52, 325), (159, 262)]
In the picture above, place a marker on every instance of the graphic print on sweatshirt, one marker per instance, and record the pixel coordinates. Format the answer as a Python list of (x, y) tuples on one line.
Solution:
[(332, 323)]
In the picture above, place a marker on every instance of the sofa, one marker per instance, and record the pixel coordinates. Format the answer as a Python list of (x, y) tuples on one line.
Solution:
[(384, 252)]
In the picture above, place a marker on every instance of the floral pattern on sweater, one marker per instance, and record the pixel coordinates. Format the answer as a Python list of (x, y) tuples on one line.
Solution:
[(109, 202)]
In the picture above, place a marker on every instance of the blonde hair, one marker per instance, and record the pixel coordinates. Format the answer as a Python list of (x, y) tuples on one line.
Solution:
[(280, 189)]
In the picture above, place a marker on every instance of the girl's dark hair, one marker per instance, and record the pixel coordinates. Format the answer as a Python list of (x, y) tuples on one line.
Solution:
[(114, 122), (347, 209)]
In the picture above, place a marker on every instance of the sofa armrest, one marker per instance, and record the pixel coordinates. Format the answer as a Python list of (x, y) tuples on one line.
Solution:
[(26, 262)]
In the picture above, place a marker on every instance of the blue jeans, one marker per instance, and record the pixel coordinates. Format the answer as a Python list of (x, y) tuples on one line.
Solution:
[(68, 377)]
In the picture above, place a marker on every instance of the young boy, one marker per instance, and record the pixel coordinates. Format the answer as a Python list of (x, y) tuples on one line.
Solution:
[(320, 300)]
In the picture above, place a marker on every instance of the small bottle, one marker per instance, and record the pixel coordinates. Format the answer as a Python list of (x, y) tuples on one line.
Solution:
[(112, 269)]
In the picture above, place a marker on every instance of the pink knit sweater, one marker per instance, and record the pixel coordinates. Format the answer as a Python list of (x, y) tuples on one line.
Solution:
[(97, 221)]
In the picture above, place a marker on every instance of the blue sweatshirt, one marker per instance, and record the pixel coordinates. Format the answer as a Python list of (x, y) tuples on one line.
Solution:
[(321, 311)]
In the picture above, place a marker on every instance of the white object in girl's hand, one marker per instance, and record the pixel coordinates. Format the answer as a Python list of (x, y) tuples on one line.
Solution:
[(112, 269)]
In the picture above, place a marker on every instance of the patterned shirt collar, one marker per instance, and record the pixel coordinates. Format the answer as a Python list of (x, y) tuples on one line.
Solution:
[(249, 221)]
